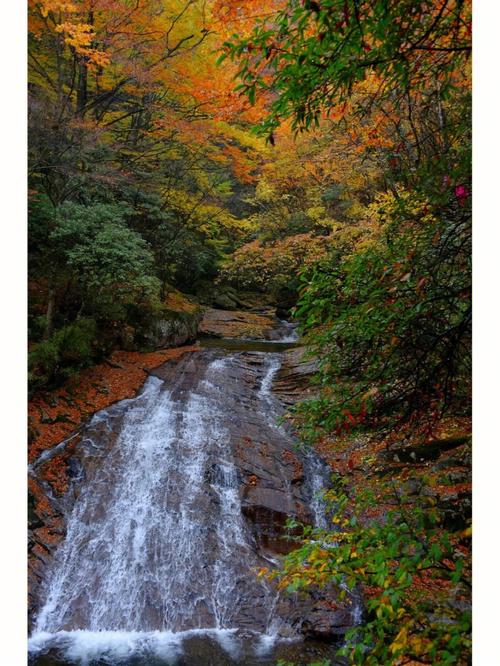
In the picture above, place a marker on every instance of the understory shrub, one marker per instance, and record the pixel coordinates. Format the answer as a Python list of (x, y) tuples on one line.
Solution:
[(66, 351)]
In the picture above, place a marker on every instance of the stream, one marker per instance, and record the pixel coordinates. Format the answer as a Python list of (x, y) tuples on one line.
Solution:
[(179, 496)]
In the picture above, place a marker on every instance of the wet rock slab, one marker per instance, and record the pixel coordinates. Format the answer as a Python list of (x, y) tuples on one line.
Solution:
[(293, 380), (239, 324), (272, 478)]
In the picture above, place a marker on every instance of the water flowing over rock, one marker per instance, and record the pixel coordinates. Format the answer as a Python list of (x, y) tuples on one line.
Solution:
[(178, 496)]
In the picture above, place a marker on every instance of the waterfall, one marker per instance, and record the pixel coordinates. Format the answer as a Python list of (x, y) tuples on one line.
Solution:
[(271, 368), (289, 332), (141, 562), (317, 471), (157, 548)]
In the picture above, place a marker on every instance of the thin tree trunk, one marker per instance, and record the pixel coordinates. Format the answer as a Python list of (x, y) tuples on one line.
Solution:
[(412, 125), (442, 118), (163, 289), (82, 90), (49, 317), (81, 93)]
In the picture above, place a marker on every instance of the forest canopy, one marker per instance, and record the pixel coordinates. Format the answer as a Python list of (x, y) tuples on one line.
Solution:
[(312, 156)]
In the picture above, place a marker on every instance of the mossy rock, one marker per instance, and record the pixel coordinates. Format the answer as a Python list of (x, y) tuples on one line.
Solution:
[(174, 324), (170, 329)]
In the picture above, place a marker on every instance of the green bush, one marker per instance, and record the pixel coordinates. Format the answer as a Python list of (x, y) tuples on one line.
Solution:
[(75, 342), (42, 363), (410, 568), (69, 349)]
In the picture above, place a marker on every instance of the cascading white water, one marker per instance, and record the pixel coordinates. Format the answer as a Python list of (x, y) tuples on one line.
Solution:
[(316, 470), (156, 546), (273, 365), (139, 562), (289, 332)]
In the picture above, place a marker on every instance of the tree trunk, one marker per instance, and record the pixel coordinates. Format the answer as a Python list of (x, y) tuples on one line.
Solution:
[(82, 90), (81, 93), (51, 303), (163, 290)]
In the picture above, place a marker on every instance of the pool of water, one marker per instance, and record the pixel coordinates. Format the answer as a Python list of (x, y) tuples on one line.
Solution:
[(237, 344)]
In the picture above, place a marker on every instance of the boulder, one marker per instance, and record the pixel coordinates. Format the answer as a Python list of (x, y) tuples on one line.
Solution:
[(172, 329)]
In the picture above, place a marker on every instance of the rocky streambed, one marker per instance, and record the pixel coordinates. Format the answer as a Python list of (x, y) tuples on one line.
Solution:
[(172, 501)]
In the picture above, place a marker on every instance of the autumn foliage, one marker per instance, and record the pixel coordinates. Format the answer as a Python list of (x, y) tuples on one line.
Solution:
[(317, 152), (387, 310)]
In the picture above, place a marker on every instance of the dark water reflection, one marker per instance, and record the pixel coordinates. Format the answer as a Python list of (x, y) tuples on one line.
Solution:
[(233, 344)]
